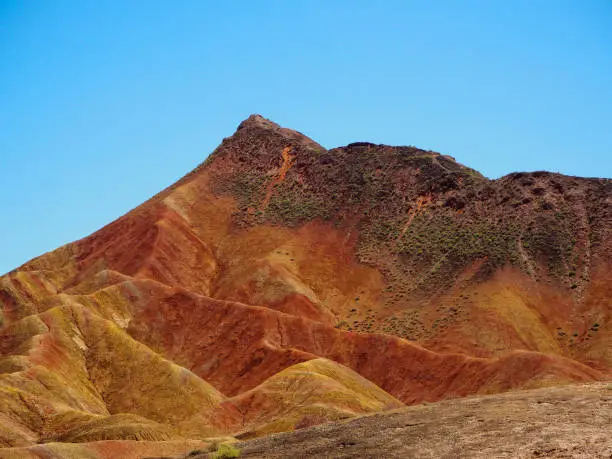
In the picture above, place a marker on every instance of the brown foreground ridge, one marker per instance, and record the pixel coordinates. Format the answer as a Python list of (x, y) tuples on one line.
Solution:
[(561, 422), (281, 285)]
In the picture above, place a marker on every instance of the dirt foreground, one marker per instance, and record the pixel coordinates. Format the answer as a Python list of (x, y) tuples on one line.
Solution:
[(572, 421)]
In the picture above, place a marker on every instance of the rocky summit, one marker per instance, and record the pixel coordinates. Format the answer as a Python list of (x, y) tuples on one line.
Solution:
[(280, 285)]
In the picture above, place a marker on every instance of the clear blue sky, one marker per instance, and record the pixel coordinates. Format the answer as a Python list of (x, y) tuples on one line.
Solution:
[(104, 103)]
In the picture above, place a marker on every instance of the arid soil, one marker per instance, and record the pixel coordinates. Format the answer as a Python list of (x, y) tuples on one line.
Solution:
[(560, 422)]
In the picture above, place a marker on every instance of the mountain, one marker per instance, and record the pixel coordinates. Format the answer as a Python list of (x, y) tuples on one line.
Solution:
[(280, 285)]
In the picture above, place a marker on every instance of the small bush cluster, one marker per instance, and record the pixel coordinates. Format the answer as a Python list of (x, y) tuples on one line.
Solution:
[(223, 451)]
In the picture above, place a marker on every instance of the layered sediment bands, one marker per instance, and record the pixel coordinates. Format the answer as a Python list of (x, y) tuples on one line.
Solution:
[(271, 340), (81, 368), (309, 393), (280, 285)]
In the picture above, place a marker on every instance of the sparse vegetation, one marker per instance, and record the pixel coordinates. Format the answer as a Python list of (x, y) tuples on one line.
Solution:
[(224, 451), (420, 216)]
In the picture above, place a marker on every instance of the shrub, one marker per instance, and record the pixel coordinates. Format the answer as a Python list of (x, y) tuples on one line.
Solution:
[(225, 451)]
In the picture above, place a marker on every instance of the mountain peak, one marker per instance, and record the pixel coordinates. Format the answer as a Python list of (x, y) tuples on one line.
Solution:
[(256, 126), (258, 121)]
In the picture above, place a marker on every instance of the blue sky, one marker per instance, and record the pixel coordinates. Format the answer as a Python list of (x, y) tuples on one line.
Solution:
[(105, 103)]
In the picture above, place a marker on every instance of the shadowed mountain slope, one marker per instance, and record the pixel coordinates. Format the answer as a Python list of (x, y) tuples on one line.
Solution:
[(280, 284)]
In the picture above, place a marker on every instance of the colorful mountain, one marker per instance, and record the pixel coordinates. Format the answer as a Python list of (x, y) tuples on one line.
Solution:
[(280, 285)]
